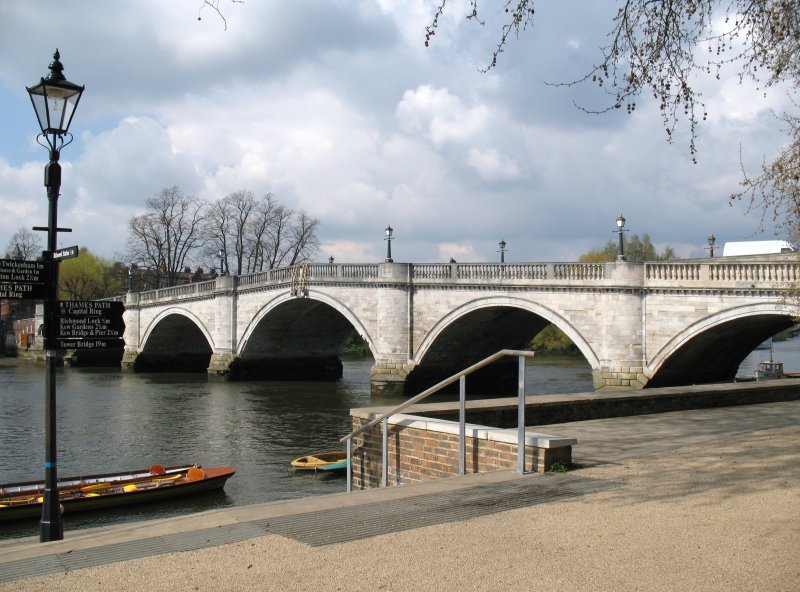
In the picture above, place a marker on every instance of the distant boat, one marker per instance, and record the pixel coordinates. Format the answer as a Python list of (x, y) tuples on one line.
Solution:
[(93, 492), (769, 369), (321, 461)]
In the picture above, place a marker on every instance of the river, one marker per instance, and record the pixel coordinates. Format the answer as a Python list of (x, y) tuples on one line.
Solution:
[(109, 420)]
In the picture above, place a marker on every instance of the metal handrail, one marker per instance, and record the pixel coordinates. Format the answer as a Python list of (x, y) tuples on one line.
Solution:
[(461, 377)]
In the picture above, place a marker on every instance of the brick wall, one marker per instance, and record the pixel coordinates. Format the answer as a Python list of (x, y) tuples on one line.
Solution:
[(419, 454)]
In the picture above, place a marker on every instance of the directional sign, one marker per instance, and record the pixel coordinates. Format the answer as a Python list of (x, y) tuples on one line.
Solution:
[(90, 320), (24, 291), (90, 344), (23, 280), (25, 272), (66, 253)]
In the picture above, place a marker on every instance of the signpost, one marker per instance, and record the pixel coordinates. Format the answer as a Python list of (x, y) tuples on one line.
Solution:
[(23, 280), (66, 253), (90, 324)]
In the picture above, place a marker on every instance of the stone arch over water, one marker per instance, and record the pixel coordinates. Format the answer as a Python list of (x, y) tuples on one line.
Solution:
[(294, 338), (175, 341), (479, 329), (712, 349)]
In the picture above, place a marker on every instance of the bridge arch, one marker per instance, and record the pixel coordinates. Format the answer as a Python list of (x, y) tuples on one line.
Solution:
[(291, 337), (176, 339), (480, 328), (712, 348)]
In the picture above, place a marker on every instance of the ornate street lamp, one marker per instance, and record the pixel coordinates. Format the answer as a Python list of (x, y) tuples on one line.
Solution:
[(54, 99), (502, 251), (330, 260), (712, 240), (620, 229), (388, 239), (221, 262)]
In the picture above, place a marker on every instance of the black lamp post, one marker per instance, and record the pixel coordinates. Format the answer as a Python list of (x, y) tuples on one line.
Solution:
[(712, 240), (620, 229), (502, 251), (221, 262), (388, 239), (330, 260), (130, 279), (54, 99)]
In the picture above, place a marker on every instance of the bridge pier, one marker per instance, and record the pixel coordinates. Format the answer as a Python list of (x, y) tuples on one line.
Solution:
[(220, 363), (389, 378), (620, 377)]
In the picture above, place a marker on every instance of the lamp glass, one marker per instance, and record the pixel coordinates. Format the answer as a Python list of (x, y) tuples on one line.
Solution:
[(55, 104), (620, 221)]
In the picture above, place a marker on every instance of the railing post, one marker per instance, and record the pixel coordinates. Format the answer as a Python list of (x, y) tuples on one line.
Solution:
[(462, 425), (385, 453), (521, 417), (349, 465)]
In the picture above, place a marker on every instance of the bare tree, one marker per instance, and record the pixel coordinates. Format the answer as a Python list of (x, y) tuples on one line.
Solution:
[(257, 234), (266, 213), (217, 231), (24, 245), (304, 239), (168, 234)]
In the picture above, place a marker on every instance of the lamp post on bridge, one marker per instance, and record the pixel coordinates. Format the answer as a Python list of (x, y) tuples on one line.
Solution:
[(620, 229), (712, 240), (330, 260), (221, 254), (54, 100), (502, 251), (388, 239)]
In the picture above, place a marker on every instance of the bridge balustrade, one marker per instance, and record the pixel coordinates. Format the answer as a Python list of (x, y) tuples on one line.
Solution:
[(672, 271), (183, 291), (780, 272), (579, 271)]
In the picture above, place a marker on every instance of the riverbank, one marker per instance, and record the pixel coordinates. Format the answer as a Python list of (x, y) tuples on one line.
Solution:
[(708, 501)]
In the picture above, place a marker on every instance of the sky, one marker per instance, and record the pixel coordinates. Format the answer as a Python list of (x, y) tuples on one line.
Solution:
[(337, 108)]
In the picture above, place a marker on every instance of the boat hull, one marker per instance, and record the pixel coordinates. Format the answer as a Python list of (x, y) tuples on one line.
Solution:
[(316, 462), (215, 478)]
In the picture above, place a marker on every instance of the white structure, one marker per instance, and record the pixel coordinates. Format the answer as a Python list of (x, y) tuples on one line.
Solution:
[(769, 247), (637, 324)]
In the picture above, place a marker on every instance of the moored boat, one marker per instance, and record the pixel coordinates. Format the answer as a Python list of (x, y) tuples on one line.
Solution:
[(769, 370), (321, 461), (92, 492)]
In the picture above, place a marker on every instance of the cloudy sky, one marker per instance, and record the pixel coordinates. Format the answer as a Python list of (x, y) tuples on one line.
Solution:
[(337, 108)]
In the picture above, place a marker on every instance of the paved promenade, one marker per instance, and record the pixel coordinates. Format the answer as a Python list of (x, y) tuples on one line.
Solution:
[(691, 500)]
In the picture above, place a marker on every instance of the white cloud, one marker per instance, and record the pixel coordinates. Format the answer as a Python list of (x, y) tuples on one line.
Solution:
[(338, 108), (439, 115), (494, 166)]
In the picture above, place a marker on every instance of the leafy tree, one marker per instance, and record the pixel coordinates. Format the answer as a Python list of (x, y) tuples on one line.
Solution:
[(636, 249), (660, 48), (89, 277), (554, 340), (24, 245), (167, 234)]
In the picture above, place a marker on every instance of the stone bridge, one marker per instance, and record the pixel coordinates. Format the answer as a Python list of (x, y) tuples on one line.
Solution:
[(637, 324)]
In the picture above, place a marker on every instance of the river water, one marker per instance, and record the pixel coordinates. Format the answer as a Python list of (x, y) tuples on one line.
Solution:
[(110, 420)]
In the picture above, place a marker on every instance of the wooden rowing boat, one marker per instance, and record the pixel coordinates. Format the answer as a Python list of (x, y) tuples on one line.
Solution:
[(321, 461), (79, 494)]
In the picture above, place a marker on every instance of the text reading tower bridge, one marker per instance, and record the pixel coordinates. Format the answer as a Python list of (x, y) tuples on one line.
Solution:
[(638, 324)]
